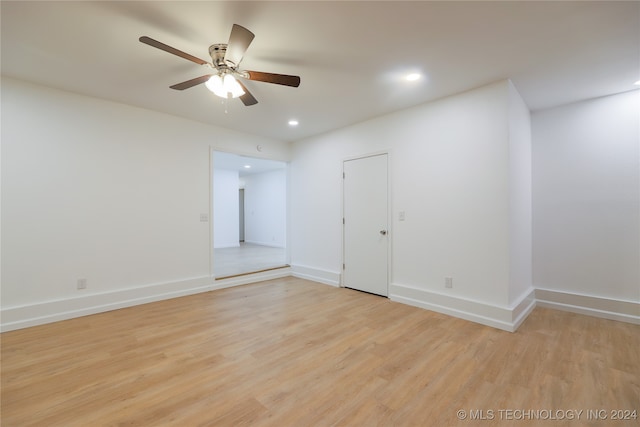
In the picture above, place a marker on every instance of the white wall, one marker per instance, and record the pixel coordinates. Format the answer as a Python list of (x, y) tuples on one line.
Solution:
[(520, 198), (111, 193), (266, 208), (586, 189), (449, 168), (103, 191), (226, 210)]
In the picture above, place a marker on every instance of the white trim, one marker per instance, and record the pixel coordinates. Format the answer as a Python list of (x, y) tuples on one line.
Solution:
[(505, 318), (226, 247), (287, 222), (523, 308), (326, 277), (52, 311), (267, 244), (210, 199), (606, 308)]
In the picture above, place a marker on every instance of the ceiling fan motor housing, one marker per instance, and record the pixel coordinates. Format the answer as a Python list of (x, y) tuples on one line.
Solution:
[(217, 52)]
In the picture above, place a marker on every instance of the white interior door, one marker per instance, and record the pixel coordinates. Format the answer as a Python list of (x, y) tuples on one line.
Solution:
[(366, 237)]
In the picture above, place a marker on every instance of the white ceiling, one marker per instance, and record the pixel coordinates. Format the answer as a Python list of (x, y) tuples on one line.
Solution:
[(351, 56)]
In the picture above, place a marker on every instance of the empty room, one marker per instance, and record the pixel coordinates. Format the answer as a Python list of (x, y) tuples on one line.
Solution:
[(320, 213)]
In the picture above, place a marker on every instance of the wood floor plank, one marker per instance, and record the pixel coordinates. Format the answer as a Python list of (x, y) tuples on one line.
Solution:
[(289, 352)]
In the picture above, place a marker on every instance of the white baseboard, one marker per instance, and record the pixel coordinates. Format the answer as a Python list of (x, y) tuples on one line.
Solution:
[(267, 244), (227, 246), (322, 276), (606, 308), (505, 318), (52, 311), (523, 308), (13, 318)]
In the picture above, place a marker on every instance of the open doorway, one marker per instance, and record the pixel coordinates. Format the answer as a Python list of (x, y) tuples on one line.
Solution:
[(249, 215)]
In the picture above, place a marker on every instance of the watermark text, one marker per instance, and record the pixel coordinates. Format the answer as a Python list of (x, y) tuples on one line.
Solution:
[(547, 414)]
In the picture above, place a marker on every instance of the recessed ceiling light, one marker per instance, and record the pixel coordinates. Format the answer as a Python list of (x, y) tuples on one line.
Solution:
[(247, 166), (412, 77), (637, 83), (293, 123)]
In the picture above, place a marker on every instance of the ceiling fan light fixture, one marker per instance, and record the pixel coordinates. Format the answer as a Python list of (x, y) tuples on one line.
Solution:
[(232, 86), (224, 87), (215, 85)]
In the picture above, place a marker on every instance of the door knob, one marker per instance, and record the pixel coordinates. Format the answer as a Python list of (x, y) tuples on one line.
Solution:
[(383, 232)]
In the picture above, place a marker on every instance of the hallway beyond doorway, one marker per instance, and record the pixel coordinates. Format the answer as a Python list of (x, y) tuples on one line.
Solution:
[(247, 258)]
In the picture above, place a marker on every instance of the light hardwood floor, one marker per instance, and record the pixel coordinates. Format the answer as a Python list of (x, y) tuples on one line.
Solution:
[(290, 352)]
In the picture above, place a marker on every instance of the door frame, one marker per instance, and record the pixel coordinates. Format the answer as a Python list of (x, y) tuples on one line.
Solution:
[(212, 262), (389, 214)]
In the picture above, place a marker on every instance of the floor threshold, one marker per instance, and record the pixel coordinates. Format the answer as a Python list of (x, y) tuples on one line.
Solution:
[(253, 272)]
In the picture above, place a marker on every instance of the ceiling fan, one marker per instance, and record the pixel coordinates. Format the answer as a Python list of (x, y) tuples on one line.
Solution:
[(225, 62)]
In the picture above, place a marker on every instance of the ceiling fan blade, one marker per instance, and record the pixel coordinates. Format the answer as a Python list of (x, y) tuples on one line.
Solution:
[(239, 41), (191, 83), (173, 50), (247, 99), (280, 79)]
